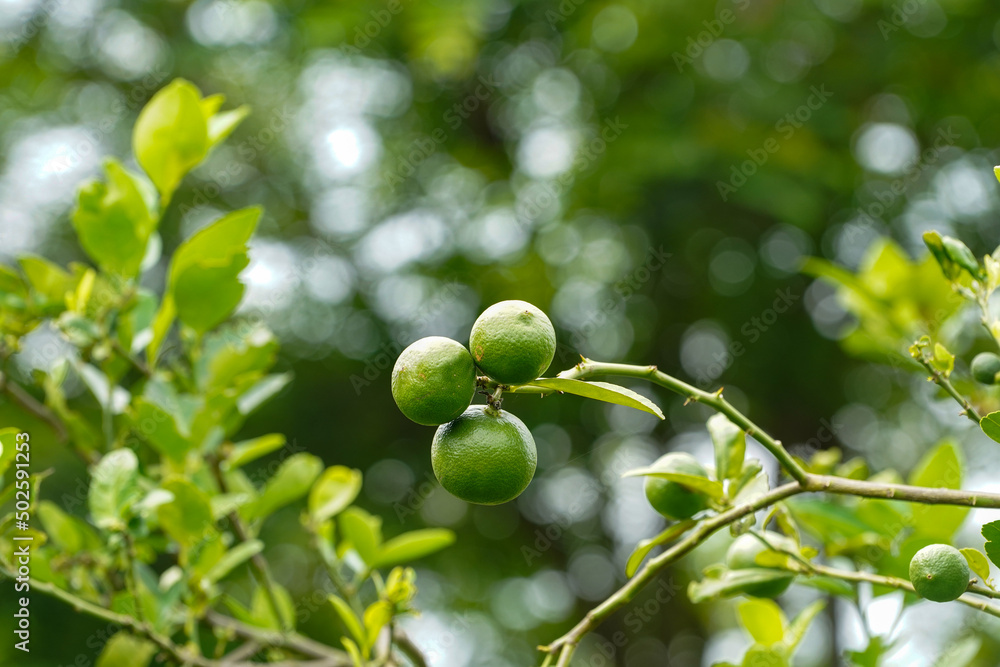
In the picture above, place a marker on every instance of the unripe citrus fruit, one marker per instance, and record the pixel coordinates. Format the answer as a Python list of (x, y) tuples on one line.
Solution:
[(485, 457), (513, 342), (939, 573), (742, 555), (433, 380), (985, 367), (673, 500)]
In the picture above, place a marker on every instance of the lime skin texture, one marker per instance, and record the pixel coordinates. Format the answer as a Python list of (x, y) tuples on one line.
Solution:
[(485, 456), (671, 499), (939, 573), (742, 555), (985, 367), (513, 342), (434, 380)]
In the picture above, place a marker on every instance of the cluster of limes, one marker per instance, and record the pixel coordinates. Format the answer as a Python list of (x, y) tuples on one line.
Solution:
[(480, 453)]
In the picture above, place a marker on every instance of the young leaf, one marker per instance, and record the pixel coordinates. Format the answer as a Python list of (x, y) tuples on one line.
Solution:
[(943, 360), (233, 559), (376, 616), (797, 628), (730, 446), (978, 564), (362, 531), (171, 135), (764, 620), (601, 391), (336, 488), (113, 221), (204, 273), (351, 622), (645, 546), (65, 531), (250, 450), (291, 482), (413, 545), (113, 488)]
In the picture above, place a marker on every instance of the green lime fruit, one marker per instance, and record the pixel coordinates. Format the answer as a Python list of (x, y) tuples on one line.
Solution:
[(434, 380), (985, 367), (742, 555), (485, 456), (673, 500), (939, 573), (513, 342)]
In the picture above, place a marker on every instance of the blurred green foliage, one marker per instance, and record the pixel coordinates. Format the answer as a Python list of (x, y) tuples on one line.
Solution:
[(419, 161)]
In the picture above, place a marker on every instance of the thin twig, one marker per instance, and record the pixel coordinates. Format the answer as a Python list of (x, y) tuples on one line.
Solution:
[(408, 648), (938, 378)]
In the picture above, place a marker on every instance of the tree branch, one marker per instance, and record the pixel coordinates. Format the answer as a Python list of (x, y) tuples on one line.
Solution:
[(938, 378), (588, 368), (915, 494)]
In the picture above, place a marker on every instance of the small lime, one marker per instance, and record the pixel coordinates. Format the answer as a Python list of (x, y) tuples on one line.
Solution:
[(742, 555), (671, 499), (939, 573), (513, 342), (485, 457), (433, 380), (985, 367)]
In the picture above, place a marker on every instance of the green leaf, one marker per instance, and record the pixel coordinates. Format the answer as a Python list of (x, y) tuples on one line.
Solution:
[(67, 532), (113, 488), (730, 446), (203, 282), (233, 352), (250, 450), (162, 321), (645, 546), (233, 558), (113, 221), (764, 620), (413, 545), (709, 487), (221, 125), (352, 649), (336, 488), (939, 468), (991, 425), (960, 254), (263, 614), (991, 531), (732, 582), (126, 650), (170, 136), (188, 517), (362, 532), (290, 482), (164, 430), (797, 628), (48, 281), (262, 391), (601, 391), (351, 622), (977, 563)]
